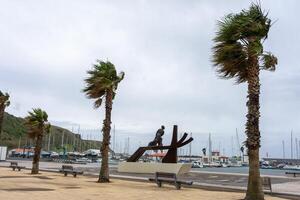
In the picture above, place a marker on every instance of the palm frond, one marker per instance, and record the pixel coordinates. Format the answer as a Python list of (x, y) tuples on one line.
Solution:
[(238, 38), (36, 123), (4, 99), (98, 103), (102, 77), (269, 61)]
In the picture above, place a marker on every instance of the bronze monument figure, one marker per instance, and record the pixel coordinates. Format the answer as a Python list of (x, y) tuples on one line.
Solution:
[(171, 156), (158, 137)]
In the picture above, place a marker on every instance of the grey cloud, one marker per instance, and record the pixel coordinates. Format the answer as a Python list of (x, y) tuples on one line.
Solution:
[(164, 49)]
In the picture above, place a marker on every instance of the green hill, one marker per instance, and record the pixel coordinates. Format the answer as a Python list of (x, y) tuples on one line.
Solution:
[(14, 136)]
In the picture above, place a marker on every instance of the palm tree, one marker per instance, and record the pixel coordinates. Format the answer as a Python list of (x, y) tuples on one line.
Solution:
[(4, 102), (102, 83), (238, 53), (37, 126)]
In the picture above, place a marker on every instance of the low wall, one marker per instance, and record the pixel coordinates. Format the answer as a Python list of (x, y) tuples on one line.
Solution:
[(144, 167)]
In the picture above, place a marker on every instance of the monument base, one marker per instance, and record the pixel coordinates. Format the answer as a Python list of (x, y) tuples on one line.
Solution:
[(147, 167)]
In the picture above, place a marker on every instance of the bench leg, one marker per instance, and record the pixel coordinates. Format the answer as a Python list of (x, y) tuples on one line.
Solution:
[(178, 186), (159, 183), (74, 175), (14, 169), (19, 169), (66, 174)]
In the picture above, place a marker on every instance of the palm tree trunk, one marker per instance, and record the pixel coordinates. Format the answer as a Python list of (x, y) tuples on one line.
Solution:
[(104, 171), (254, 189), (37, 154), (2, 107)]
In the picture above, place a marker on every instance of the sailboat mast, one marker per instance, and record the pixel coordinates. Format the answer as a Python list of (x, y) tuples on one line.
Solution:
[(49, 141), (297, 151), (114, 139), (292, 145), (238, 143), (283, 149), (191, 149), (209, 148), (62, 138)]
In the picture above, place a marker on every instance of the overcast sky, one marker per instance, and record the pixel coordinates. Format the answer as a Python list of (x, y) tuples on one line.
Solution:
[(164, 48)]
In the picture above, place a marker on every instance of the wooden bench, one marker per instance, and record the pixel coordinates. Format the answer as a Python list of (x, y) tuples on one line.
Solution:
[(294, 173), (170, 178), (266, 183), (14, 166), (65, 169)]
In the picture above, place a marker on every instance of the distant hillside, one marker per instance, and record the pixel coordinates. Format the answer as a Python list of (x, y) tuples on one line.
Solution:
[(14, 135)]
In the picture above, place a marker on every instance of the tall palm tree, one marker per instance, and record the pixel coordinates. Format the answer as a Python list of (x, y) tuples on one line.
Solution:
[(37, 126), (238, 53), (4, 102), (102, 84)]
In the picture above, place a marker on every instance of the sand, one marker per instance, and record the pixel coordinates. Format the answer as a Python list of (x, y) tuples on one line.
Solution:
[(54, 186)]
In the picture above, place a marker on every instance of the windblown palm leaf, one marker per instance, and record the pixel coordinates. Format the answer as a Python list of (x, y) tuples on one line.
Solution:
[(102, 77), (36, 123), (238, 38), (4, 99)]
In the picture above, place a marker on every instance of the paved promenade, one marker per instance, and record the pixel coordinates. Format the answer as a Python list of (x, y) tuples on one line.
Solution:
[(15, 185), (280, 184)]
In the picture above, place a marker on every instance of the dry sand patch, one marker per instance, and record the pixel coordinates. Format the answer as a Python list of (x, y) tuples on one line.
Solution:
[(50, 186)]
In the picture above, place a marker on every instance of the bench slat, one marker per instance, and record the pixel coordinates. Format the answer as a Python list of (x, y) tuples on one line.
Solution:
[(70, 169), (170, 178)]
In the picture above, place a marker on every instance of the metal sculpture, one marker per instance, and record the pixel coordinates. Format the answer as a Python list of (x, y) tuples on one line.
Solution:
[(171, 156)]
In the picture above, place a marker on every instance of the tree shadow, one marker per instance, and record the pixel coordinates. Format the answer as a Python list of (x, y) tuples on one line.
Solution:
[(28, 189), (38, 177)]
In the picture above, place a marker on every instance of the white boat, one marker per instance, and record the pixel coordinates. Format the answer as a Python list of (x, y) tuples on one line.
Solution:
[(212, 164), (291, 167), (197, 164), (54, 154), (224, 165), (83, 160)]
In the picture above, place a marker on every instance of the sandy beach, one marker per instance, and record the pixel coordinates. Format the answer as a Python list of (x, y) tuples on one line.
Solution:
[(48, 186)]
